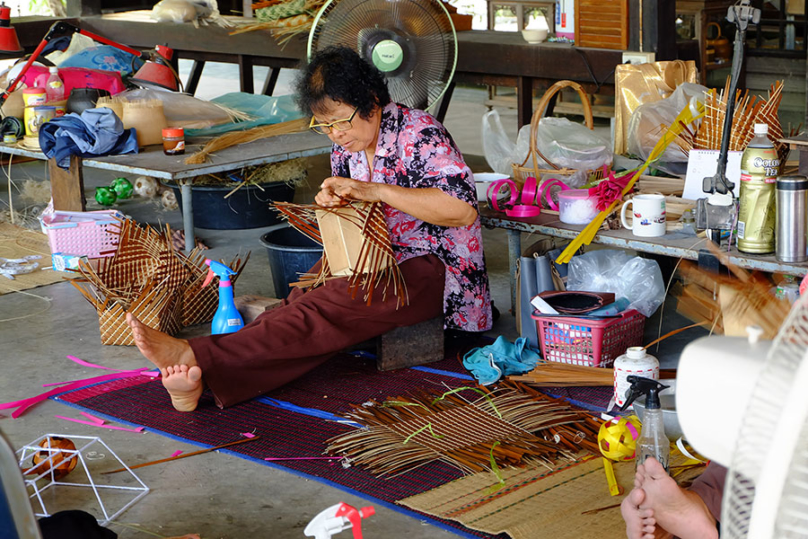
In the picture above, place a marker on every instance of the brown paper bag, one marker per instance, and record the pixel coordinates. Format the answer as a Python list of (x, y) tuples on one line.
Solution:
[(644, 83)]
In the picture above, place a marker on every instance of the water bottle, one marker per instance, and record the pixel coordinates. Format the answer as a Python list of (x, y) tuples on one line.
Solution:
[(55, 86)]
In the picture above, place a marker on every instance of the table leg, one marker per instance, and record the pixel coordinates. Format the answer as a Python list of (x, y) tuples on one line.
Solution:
[(514, 252), (188, 216), (67, 186)]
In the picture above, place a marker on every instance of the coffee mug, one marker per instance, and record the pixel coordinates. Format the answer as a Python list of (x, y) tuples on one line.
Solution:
[(649, 215)]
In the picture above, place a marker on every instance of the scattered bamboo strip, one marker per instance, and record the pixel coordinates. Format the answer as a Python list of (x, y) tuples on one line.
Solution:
[(242, 137), (552, 374), (184, 455)]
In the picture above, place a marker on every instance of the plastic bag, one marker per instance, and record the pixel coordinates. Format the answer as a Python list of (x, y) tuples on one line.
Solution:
[(182, 110), (639, 280), (566, 143), (647, 121), (194, 11)]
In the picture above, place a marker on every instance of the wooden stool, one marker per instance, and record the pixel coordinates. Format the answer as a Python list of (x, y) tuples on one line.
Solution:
[(409, 346)]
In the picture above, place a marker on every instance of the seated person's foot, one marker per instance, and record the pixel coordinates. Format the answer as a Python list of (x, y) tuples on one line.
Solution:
[(674, 509), (640, 523), (184, 384), (161, 349)]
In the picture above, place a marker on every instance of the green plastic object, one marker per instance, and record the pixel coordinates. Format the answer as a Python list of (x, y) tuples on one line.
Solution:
[(387, 56), (105, 196), (123, 188)]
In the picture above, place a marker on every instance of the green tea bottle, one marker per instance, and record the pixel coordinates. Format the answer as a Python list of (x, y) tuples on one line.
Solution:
[(760, 166)]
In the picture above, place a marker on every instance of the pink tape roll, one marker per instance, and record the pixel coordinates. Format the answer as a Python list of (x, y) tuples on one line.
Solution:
[(523, 210), (493, 191), (544, 192), (529, 191)]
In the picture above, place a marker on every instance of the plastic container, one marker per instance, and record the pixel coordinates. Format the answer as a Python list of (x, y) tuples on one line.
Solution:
[(55, 86), (590, 343), (34, 97), (636, 361), (246, 208), (290, 254), (92, 234), (173, 141), (577, 207)]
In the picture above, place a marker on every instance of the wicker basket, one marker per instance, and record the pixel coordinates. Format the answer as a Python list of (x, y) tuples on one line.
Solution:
[(521, 171)]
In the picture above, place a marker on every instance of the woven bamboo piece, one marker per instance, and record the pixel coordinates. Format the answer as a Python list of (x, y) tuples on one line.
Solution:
[(521, 171), (510, 426), (376, 266), (149, 278)]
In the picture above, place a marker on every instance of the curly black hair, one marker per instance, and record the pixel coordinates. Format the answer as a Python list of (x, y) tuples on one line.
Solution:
[(340, 74)]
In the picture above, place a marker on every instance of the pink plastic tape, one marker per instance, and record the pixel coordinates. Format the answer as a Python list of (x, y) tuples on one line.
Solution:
[(523, 210), (494, 189), (544, 192), (529, 191)]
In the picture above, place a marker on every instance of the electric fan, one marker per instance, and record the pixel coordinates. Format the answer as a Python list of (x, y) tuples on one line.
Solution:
[(744, 404), (412, 42)]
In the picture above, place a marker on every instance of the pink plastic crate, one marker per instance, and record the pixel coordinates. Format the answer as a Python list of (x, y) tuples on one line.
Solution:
[(591, 343), (92, 234)]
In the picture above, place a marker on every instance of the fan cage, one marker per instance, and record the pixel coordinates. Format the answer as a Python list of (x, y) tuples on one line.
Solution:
[(424, 26), (758, 432)]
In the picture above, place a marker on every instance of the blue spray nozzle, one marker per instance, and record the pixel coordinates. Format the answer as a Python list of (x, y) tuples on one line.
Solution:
[(217, 268)]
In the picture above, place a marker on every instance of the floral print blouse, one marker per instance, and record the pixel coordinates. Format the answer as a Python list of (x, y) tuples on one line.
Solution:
[(414, 150)]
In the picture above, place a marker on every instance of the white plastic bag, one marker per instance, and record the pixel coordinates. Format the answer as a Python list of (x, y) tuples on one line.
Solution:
[(572, 145), (497, 147), (637, 279), (648, 123)]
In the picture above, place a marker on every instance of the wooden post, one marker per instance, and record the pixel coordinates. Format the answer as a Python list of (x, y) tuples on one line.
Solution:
[(67, 186)]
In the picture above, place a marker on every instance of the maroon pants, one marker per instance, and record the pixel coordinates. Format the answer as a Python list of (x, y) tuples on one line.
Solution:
[(308, 328), (710, 488)]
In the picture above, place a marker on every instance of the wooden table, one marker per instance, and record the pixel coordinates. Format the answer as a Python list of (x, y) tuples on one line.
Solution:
[(67, 186), (672, 244)]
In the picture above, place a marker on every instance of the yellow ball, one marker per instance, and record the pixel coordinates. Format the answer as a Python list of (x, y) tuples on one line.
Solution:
[(618, 438)]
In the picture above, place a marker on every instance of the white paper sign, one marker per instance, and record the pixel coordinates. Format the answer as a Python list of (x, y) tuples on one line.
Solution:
[(702, 164)]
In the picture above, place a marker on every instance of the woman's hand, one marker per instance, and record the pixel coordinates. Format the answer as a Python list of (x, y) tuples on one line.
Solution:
[(336, 191)]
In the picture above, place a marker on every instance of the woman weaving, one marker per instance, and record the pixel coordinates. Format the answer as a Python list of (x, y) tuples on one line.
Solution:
[(382, 152)]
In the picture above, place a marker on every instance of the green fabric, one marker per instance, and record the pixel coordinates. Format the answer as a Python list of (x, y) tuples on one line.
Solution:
[(264, 110), (280, 11)]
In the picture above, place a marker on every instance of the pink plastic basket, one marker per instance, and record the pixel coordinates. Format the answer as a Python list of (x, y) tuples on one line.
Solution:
[(591, 343), (92, 234)]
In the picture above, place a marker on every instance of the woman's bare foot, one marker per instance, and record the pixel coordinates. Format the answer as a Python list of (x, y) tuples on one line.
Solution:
[(184, 384), (674, 509), (161, 349)]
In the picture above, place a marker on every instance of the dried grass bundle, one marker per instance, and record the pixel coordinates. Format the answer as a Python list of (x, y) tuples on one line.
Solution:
[(242, 137), (510, 426), (149, 278), (375, 264)]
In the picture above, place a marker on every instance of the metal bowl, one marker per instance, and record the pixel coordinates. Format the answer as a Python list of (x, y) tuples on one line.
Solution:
[(667, 398)]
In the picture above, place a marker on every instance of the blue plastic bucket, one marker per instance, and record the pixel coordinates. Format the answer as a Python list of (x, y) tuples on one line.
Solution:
[(290, 254)]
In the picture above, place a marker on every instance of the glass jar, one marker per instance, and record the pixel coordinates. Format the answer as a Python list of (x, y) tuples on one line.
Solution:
[(173, 141)]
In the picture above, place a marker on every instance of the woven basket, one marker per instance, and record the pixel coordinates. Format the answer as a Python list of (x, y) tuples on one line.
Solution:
[(521, 171), (148, 278)]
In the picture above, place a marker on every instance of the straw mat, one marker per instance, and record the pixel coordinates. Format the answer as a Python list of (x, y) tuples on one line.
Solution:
[(534, 503), (16, 242)]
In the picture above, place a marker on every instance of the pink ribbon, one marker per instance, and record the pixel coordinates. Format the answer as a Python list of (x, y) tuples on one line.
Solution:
[(544, 192), (529, 191), (495, 187), (94, 424), (522, 210), (303, 458)]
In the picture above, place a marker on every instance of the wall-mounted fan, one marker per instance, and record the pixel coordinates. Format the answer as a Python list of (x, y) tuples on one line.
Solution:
[(412, 42)]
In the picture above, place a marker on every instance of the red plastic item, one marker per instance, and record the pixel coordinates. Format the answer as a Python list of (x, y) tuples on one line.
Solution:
[(8, 35), (355, 517), (589, 343)]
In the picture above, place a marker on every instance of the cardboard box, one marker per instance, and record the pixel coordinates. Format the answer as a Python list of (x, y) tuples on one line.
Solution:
[(343, 241)]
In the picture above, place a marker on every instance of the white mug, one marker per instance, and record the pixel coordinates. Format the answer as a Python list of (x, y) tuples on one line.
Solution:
[(649, 215)]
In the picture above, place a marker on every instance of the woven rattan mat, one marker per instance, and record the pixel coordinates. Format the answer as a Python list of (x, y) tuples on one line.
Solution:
[(534, 503), (16, 242)]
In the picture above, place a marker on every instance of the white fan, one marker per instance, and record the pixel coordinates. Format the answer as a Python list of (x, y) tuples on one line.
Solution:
[(744, 404), (412, 42)]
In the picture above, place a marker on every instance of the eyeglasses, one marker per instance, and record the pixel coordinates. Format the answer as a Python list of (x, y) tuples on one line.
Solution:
[(339, 125)]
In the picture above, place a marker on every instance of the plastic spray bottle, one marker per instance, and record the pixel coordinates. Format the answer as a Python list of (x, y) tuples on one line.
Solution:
[(652, 441), (227, 318)]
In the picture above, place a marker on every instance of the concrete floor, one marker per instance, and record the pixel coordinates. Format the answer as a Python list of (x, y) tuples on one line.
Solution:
[(217, 495)]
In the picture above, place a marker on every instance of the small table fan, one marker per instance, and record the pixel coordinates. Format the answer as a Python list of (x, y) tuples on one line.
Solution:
[(412, 42), (744, 404)]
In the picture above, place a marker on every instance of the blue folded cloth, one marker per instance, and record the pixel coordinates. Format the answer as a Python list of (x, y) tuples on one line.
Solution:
[(94, 133), (503, 358)]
